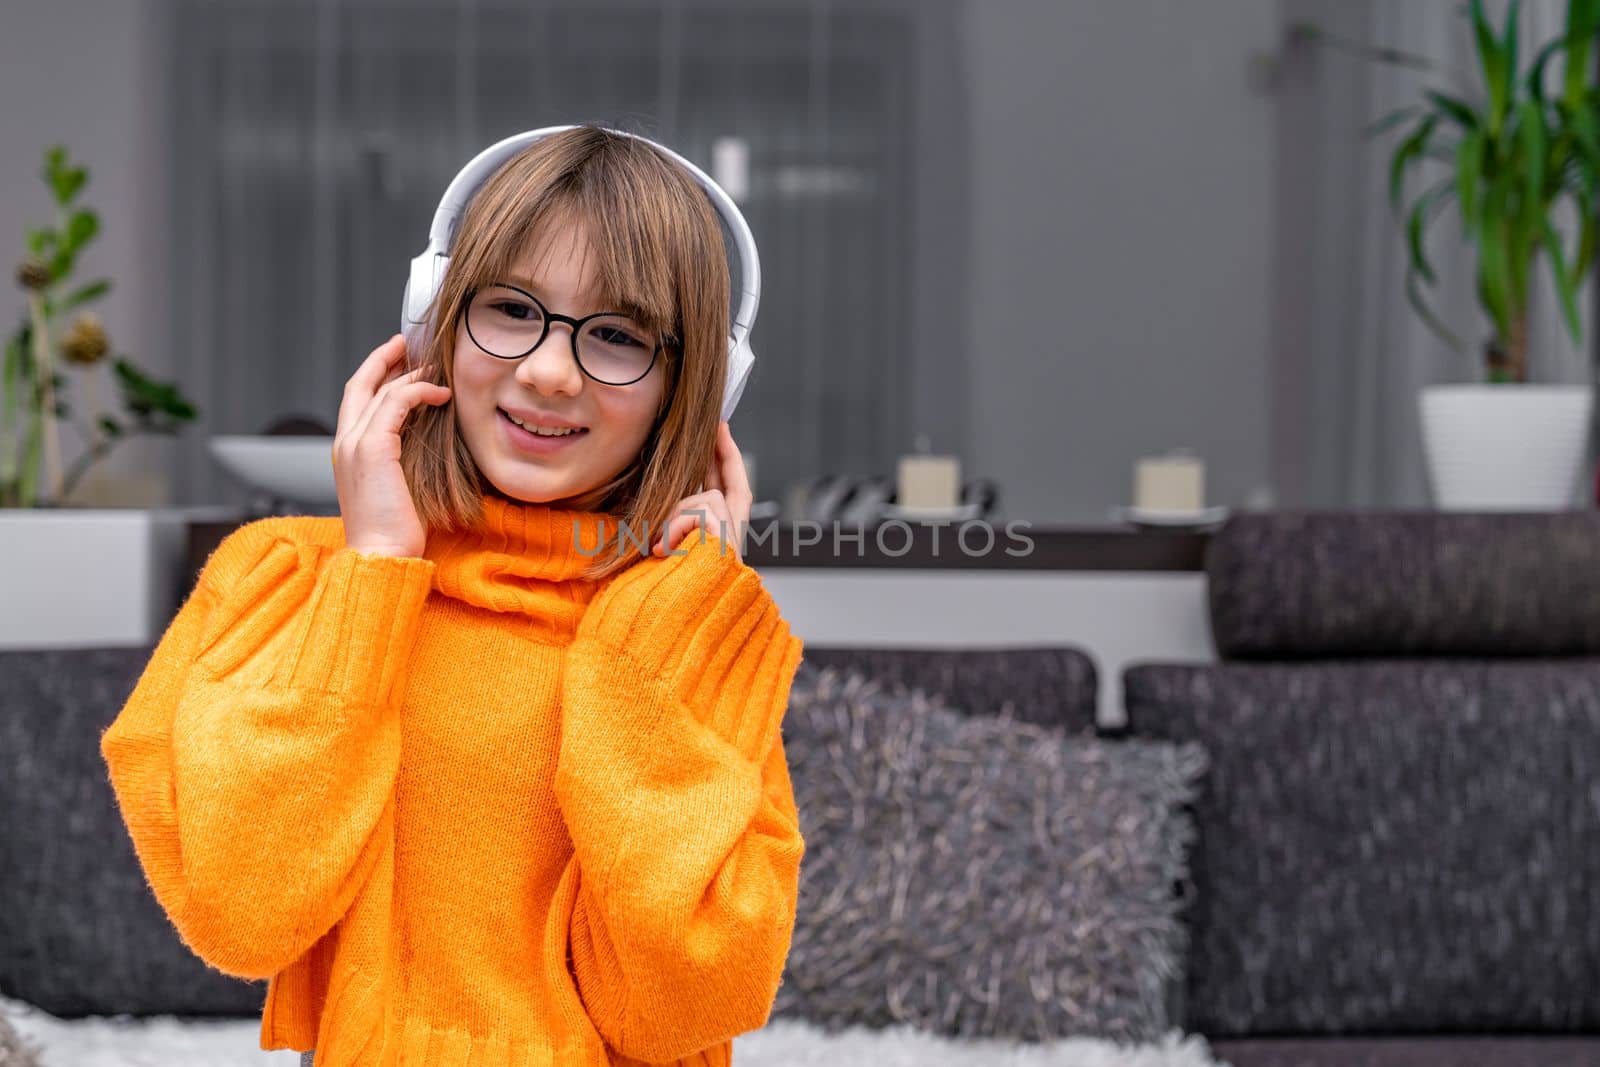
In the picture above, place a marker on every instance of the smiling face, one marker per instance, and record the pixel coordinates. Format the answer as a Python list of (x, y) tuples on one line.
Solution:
[(546, 387)]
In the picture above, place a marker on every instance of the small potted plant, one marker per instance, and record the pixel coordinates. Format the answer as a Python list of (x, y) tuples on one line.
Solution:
[(75, 573), (1508, 158)]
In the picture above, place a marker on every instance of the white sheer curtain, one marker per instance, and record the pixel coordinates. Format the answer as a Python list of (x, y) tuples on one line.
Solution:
[(1351, 353), (314, 137)]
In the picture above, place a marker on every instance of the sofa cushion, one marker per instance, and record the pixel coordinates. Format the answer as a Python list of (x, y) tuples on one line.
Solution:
[(80, 931), (1389, 846), (1341, 585), (1051, 686), (979, 876)]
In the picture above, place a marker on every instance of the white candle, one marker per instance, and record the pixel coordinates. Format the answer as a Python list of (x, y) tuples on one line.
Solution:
[(730, 166), (929, 482), (1169, 483)]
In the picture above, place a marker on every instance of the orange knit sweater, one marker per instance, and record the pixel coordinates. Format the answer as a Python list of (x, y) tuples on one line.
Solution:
[(468, 808)]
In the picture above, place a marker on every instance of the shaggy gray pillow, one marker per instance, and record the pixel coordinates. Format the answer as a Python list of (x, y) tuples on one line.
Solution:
[(977, 876)]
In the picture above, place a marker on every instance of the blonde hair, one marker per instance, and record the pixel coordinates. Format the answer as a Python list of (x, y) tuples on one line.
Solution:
[(656, 243)]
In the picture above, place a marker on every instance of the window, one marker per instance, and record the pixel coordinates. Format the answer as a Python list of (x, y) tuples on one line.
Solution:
[(313, 141)]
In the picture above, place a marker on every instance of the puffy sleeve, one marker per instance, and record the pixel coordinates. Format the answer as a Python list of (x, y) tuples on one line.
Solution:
[(255, 761), (672, 781)]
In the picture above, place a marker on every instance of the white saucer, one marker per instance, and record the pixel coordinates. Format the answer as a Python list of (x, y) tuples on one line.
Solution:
[(1167, 518), (960, 511)]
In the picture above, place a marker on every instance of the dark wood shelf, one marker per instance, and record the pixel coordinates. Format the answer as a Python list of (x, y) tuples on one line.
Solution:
[(968, 546), (921, 546)]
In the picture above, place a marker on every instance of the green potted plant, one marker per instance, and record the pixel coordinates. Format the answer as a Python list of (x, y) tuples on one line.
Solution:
[(75, 573), (1508, 157), (33, 399)]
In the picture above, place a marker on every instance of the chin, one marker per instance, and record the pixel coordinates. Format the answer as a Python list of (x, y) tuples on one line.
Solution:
[(531, 495), (565, 494)]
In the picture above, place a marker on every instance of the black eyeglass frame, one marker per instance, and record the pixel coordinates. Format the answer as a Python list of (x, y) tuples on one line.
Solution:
[(549, 317)]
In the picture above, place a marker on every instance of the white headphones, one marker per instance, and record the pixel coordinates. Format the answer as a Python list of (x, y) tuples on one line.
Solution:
[(428, 268)]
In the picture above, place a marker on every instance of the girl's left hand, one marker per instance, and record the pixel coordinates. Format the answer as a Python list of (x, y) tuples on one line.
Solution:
[(723, 506)]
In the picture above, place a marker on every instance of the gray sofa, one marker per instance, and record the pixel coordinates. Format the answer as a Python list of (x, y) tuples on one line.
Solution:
[(80, 931), (1398, 856), (1047, 686)]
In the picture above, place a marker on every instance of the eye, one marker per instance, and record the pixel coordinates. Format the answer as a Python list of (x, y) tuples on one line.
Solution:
[(515, 309), (615, 335)]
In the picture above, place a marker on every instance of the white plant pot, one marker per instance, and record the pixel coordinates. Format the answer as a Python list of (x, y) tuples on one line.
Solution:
[(86, 577), (1506, 447)]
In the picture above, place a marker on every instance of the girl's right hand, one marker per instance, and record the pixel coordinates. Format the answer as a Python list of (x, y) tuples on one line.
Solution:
[(374, 499)]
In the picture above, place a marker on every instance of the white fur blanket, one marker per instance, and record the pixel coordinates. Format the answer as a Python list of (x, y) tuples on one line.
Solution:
[(165, 1041)]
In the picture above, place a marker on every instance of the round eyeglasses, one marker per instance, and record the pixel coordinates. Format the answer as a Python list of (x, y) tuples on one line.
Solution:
[(508, 323)]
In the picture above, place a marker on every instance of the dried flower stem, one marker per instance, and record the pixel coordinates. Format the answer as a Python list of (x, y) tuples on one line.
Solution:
[(46, 371)]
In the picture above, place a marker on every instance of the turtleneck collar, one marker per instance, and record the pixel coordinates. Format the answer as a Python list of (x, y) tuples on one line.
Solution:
[(525, 558)]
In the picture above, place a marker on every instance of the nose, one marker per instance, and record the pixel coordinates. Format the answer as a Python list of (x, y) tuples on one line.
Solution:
[(552, 367)]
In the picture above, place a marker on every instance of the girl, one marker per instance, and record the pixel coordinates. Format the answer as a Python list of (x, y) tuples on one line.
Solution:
[(488, 768)]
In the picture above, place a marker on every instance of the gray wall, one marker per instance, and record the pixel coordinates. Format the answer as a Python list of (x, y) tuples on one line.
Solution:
[(88, 74), (1118, 232), (1122, 210)]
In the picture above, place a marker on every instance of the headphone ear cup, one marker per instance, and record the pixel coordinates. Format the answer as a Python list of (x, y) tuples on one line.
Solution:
[(408, 329), (422, 285), (416, 335), (740, 362)]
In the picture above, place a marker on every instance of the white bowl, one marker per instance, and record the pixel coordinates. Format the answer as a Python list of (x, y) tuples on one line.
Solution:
[(956, 514), (288, 467), (1170, 518)]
